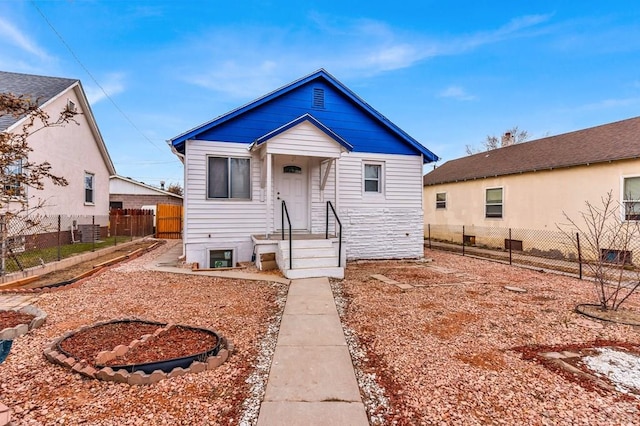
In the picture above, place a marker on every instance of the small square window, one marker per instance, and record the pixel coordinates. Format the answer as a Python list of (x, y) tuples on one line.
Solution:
[(441, 200), (373, 178), (493, 206), (220, 258)]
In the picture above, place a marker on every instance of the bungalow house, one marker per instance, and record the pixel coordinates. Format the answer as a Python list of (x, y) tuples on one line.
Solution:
[(127, 193), (76, 151), (533, 185), (304, 177)]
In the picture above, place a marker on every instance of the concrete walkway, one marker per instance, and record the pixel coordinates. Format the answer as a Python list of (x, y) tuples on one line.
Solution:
[(312, 381)]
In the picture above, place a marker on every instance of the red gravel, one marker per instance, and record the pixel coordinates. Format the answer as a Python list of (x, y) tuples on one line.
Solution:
[(9, 319), (86, 344), (177, 342)]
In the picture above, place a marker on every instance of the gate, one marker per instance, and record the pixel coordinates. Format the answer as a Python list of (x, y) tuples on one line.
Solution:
[(169, 221)]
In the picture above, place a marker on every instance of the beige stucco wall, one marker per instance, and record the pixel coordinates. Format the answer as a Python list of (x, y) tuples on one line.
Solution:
[(72, 150), (535, 200)]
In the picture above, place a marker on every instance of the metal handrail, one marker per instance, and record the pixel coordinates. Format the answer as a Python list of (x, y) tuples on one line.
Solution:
[(286, 212), (326, 233)]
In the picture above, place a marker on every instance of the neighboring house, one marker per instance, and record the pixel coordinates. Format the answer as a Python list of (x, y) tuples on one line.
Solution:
[(76, 151), (533, 185), (307, 143), (127, 193)]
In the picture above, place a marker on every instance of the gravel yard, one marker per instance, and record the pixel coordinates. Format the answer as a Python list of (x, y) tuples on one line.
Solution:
[(442, 351), (41, 393)]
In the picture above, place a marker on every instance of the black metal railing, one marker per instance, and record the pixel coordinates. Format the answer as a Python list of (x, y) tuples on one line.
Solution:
[(326, 233), (285, 212)]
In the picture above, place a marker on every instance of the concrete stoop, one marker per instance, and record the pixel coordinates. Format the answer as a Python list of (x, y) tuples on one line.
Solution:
[(311, 259)]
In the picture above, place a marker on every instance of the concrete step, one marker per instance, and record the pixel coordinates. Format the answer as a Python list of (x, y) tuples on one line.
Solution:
[(334, 272), (309, 252), (305, 244), (312, 262)]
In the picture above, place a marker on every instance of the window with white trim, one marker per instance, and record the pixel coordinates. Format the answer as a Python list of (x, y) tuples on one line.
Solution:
[(12, 184), (373, 178), (228, 178), (441, 200), (89, 183), (493, 203), (631, 198)]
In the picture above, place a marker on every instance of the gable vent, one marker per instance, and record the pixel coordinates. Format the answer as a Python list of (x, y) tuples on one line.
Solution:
[(318, 98)]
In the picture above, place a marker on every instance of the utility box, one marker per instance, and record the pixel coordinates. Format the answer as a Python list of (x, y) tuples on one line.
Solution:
[(89, 233)]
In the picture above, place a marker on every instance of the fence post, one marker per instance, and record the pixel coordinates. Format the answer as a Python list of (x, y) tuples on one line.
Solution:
[(3, 225), (510, 258), (463, 240), (579, 254), (115, 231), (59, 229), (131, 226), (429, 234), (93, 229)]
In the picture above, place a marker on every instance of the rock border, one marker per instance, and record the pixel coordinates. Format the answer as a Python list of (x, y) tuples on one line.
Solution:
[(12, 333), (123, 376), (581, 310)]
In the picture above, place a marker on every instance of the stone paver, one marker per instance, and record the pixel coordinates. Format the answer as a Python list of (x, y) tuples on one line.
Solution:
[(311, 381), (16, 301)]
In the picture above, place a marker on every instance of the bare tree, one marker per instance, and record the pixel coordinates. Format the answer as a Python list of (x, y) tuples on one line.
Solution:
[(606, 240), (510, 137), (175, 188), (16, 170)]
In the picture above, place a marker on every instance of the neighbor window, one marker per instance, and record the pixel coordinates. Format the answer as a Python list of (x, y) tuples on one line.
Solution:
[(373, 178), (89, 179), (631, 197), (12, 186), (228, 178), (441, 200), (494, 202)]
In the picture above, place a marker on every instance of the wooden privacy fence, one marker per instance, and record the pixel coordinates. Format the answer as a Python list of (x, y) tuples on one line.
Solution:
[(131, 222), (169, 221)]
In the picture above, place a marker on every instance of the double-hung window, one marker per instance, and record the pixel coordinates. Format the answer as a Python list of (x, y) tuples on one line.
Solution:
[(89, 181), (441, 200), (493, 203), (12, 184), (228, 178), (373, 178), (631, 198)]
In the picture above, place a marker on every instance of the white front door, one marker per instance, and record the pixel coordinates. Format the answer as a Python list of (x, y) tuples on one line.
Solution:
[(292, 185)]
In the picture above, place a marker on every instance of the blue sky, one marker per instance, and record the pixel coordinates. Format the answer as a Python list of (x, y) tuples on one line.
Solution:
[(447, 72)]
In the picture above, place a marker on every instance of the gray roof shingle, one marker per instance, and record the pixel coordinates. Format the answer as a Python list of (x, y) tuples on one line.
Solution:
[(609, 142), (36, 87)]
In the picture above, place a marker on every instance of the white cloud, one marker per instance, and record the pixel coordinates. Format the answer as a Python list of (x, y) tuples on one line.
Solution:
[(608, 104), (456, 92), (112, 84), (244, 62), (14, 36)]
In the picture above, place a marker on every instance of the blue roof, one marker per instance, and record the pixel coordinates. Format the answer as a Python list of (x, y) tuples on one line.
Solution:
[(334, 108)]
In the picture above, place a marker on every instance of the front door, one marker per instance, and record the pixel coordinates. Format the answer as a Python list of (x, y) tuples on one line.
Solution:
[(292, 186)]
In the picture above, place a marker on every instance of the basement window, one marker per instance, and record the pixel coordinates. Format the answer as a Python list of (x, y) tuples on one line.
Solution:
[(220, 258)]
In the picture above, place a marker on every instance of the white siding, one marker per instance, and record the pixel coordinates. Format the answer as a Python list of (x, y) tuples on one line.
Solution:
[(319, 197), (220, 224), (305, 139), (386, 225), (72, 150)]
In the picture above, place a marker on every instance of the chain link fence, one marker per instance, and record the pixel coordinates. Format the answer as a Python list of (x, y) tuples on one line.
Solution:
[(35, 240), (556, 250)]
